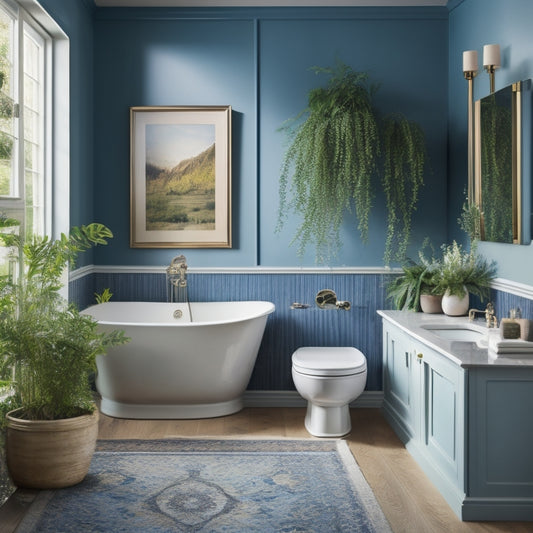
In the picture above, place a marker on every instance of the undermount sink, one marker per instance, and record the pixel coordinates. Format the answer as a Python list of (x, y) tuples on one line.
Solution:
[(455, 333)]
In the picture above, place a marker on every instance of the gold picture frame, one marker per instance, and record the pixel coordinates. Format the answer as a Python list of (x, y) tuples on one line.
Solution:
[(180, 177)]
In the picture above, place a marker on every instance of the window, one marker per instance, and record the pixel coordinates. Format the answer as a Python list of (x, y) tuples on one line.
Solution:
[(23, 97)]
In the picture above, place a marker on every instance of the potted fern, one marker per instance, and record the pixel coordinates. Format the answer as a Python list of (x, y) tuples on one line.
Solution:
[(461, 273), (49, 348), (417, 288)]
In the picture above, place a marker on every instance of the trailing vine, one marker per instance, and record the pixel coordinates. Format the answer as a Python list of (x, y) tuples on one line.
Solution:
[(335, 146), (403, 175), (331, 159)]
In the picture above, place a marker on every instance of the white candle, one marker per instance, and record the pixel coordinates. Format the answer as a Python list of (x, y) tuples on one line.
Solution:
[(470, 61), (491, 55)]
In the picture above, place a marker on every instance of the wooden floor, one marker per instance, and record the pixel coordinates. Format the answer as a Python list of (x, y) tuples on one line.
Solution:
[(408, 499)]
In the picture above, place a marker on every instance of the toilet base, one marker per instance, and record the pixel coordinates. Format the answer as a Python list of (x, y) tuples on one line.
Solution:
[(323, 421)]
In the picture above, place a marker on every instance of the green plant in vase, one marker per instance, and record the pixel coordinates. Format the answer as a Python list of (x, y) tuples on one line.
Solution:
[(417, 280), (50, 350), (463, 272)]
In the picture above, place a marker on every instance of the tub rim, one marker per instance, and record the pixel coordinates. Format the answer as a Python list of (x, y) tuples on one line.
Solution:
[(270, 308)]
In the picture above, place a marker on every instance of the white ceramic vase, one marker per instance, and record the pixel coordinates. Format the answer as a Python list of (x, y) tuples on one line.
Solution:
[(455, 305)]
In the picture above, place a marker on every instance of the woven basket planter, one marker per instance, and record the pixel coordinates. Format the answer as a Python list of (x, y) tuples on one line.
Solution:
[(50, 454)]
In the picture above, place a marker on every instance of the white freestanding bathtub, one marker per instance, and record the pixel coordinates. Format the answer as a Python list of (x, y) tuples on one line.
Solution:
[(183, 361)]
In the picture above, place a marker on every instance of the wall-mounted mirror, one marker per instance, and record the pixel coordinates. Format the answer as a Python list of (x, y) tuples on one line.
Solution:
[(502, 174)]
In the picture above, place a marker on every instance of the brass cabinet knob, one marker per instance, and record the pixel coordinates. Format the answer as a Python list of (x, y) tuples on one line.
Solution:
[(420, 355)]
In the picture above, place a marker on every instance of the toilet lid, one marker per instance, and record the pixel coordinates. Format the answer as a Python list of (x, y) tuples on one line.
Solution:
[(328, 361)]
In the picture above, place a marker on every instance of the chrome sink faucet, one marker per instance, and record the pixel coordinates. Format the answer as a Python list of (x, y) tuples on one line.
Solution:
[(490, 315)]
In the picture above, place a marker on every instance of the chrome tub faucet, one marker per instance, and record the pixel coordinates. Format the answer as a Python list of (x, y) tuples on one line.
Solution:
[(177, 279)]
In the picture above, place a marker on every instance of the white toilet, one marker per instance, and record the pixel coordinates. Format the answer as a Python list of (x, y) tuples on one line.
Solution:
[(329, 378)]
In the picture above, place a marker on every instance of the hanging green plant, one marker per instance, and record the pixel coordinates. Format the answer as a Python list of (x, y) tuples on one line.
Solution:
[(403, 175), (332, 159)]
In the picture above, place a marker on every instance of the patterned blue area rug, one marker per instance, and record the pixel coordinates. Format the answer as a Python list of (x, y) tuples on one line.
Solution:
[(213, 486)]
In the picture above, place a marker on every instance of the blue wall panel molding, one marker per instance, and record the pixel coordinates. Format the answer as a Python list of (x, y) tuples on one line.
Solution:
[(273, 13), (258, 61)]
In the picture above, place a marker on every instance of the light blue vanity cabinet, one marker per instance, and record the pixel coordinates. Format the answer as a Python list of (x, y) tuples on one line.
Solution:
[(466, 418), (424, 401)]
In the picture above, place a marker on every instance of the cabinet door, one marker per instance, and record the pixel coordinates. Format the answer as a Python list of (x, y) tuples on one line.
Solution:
[(443, 414), (399, 379), (501, 434)]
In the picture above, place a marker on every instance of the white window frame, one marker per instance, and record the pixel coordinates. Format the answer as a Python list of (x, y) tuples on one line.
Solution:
[(37, 33), (57, 117)]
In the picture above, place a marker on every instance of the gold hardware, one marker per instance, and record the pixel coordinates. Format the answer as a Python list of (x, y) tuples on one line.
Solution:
[(491, 69), (327, 299), (469, 76), (420, 355), (490, 315), (511, 200)]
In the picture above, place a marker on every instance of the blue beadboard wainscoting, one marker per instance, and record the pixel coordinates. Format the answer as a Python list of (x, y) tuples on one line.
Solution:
[(287, 329)]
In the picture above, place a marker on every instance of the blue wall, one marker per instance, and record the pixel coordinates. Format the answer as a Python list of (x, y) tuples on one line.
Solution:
[(472, 24), (258, 61)]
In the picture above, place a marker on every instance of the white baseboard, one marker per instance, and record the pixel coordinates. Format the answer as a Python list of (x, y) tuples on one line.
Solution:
[(252, 398)]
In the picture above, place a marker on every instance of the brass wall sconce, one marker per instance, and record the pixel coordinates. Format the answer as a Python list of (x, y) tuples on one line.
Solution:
[(470, 69), (491, 61)]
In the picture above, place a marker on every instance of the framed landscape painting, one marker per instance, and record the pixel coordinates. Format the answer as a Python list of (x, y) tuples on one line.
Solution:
[(180, 177)]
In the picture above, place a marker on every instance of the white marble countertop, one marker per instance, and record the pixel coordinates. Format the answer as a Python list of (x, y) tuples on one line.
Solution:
[(465, 354)]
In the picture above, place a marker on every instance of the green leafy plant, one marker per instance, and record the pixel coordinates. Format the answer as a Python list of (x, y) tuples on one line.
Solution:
[(470, 220), (416, 278), (460, 269), (104, 296), (331, 159), (335, 147), (7, 222), (403, 175), (454, 271), (44, 341)]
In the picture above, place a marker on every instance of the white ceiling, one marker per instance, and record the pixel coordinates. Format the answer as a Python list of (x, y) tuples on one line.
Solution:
[(266, 3)]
